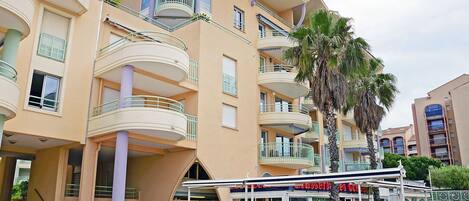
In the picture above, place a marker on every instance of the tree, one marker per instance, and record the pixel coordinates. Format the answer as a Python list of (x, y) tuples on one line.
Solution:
[(416, 167), (451, 177), (371, 93), (19, 191), (327, 54)]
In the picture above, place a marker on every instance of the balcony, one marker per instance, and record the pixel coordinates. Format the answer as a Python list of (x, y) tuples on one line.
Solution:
[(153, 116), (440, 155), (75, 6), (355, 143), (174, 8), (152, 54), (356, 166), (16, 15), (281, 5), (103, 193), (286, 155), (441, 141), (10, 91), (436, 129), (274, 43), (312, 135), (281, 78), (286, 117)]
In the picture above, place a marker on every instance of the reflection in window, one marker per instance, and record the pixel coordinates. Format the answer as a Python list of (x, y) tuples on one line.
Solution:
[(399, 145), (44, 91)]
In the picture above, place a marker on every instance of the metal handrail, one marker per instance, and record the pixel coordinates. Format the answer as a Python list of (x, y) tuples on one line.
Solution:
[(72, 190), (43, 102), (189, 3), (272, 34), (355, 166), (152, 37), (283, 108), (276, 68), (156, 102), (8, 71), (192, 122), (286, 151)]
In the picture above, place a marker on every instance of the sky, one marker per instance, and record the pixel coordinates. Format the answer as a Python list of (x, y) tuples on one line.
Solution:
[(424, 43)]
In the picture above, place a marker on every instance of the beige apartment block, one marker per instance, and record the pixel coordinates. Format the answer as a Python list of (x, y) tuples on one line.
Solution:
[(441, 122), (130, 98), (399, 140)]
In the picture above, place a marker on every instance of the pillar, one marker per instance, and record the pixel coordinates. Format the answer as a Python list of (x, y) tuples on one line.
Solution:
[(88, 171), (122, 139), (10, 46), (8, 177)]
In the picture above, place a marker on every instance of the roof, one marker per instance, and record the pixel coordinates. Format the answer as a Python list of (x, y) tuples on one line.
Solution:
[(463, 76), (397, 130)]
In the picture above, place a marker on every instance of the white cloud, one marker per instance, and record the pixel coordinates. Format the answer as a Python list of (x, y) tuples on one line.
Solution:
[(425, 43)]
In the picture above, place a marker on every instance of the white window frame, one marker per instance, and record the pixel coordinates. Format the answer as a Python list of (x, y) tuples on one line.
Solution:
[(239, 23), (224, 121)]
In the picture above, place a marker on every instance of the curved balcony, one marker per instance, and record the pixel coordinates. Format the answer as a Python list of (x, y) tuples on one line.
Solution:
[(286, 155), (274, 43), (146, 115), (359, 145), (281, 78), (174, 8), (287, 117), (16, 15), (356, 166), (75, 6), (152, 52), (317, 166), (312, 135), (10, 91)]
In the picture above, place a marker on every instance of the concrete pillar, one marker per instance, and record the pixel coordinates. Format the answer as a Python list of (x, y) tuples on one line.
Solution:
[(10, 46), (122, 139), (8, 177), (88, 171)]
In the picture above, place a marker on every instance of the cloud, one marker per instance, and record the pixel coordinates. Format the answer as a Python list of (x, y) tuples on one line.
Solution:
[(423, 42)]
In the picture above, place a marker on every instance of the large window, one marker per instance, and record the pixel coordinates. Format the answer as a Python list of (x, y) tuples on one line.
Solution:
[(399, 145), (433, 110), (263, 102), (282, 145), (229, 116), (436, 125), (53, 37), (348, 133), (386, 144), (204, 6), (282, 105), (238, 19), (229, 76), (44, 91)]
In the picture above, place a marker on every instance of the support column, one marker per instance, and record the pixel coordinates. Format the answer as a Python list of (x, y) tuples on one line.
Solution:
[(8, 177), (10, 46), (88, 171), (122, 139)]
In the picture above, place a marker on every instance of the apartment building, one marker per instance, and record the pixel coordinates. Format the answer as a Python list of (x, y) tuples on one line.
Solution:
[(127, 99), (441, 122), (399, 140)]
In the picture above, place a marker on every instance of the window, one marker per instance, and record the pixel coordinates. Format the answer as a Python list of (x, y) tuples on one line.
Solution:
[(348, 133), (204, 6), (238, 19), (145, 7), (261, 31), (263, 102), (282, 145), (44, 91), (262, 64), (229, 116), (282, 105), (229, 76), (399, 145), (53, 37)]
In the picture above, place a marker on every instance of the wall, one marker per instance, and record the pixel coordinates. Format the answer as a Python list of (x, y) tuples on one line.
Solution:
[(460, 98), (48, 174), (158, 176)]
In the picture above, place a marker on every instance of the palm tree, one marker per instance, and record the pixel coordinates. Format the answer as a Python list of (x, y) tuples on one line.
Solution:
[(326, 56), (371, 93)]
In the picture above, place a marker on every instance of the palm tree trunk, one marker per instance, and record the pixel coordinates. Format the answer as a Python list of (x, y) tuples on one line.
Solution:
[(333, 148), (373, 162)]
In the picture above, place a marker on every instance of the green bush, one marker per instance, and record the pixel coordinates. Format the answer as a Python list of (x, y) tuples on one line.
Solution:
[(19, 191), (451, 177), (416, 167)]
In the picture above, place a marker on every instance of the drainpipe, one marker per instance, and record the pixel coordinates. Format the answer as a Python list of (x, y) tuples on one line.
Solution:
[(303, 14)]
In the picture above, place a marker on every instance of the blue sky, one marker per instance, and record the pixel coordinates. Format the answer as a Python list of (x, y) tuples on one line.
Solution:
[(425, 43)]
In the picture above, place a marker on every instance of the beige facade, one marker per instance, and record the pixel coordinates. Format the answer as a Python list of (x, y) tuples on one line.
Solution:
[(440, 119), (399, 140), (210, 97)]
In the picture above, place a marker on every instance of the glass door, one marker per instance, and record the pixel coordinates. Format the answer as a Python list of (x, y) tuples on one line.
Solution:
[(263, 102)]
